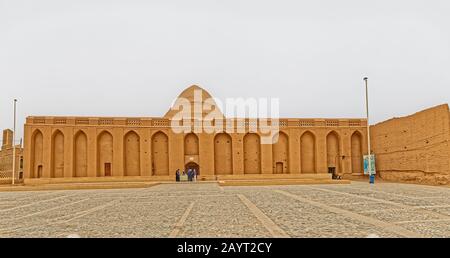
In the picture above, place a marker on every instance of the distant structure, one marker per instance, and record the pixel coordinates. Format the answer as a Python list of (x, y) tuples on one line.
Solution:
[(80, 148), (6, 159)]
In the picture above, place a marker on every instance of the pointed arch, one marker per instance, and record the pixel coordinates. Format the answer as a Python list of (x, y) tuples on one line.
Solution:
[(104, 154), (333, 151), (80, 154), (280, 154), (252, 154), (132, 154), (160, 154), (308, 152), (223, 154), (57, 169), (356, 151), (191, 146), (37, 146)]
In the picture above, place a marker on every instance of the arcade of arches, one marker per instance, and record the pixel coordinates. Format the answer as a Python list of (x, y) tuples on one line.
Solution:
[(95, 147)]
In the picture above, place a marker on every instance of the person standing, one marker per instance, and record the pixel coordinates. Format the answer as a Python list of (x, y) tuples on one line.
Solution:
[(190, 175), (183, 177), (177, 175)]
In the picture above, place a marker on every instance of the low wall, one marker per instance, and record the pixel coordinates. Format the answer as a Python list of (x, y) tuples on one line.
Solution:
[(41, 181)]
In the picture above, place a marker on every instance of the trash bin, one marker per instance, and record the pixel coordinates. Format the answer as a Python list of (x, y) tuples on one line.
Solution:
[(372, 179)]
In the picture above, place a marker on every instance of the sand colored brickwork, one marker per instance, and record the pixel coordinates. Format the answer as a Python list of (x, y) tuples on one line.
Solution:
[(63, 149), (6, 158), (147, 147), (414, 148)]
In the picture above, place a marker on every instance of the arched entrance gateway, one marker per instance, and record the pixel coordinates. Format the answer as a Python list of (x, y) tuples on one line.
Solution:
[(192, 165)]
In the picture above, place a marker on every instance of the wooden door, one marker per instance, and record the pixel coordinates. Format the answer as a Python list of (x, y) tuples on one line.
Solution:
[(107, 169), (279, 168)]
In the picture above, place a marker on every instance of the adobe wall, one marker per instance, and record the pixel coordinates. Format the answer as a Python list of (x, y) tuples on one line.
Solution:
[(414, 148), (68, 147), (6, 158)]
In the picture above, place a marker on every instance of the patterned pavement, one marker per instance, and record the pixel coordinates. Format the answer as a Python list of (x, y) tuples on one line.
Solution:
[(208, 210)]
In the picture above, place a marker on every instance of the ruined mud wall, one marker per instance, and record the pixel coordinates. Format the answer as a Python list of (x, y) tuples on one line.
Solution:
[(414, 148)]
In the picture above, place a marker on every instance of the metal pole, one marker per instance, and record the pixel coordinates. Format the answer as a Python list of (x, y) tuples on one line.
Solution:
[(14, 144), (369, 167)]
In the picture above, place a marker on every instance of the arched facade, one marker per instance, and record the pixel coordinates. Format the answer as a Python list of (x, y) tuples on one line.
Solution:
[(132, 154), (57, 154), (223, 154), (280, 154), (80, 160), (105, 154), (357, 155), (160, 154), (252, 154), (60, 147), (308, 153)]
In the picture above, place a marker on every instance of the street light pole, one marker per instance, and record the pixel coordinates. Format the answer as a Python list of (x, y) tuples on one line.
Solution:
[(14, 144), (369, 165)]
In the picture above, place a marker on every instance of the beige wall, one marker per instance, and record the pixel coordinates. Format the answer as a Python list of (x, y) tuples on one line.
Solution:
[(6, 158), (414, 148), (89, 147)]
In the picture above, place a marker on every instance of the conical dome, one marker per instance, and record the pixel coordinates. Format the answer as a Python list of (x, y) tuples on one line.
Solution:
[(195, 95)]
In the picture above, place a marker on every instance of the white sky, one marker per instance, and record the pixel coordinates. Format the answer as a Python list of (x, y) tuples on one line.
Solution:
[(132, 58)]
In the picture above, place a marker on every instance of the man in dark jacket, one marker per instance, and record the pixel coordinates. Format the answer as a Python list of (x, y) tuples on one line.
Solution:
[(189, 174)]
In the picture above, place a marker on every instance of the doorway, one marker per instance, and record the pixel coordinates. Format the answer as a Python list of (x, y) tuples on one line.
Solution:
[(332, 171), (107, 169), (39, 172), (279, 168), (192, 165)]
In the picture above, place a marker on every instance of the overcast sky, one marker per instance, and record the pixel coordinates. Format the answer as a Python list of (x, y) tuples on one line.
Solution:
[(132, 58)]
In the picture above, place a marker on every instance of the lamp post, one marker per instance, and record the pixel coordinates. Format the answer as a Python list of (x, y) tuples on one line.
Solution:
[(14, 144), (369, 162)]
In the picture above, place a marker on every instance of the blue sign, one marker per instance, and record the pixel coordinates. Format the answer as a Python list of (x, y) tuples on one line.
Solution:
[(372, 165)]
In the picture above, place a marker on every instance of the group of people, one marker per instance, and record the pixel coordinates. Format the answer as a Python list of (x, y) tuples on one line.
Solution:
[(191, 175)]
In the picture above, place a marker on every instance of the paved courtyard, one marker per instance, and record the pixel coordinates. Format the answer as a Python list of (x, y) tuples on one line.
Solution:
[(208, 210)]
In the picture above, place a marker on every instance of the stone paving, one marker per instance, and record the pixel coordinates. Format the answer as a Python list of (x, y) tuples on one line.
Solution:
[(208, 210)]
